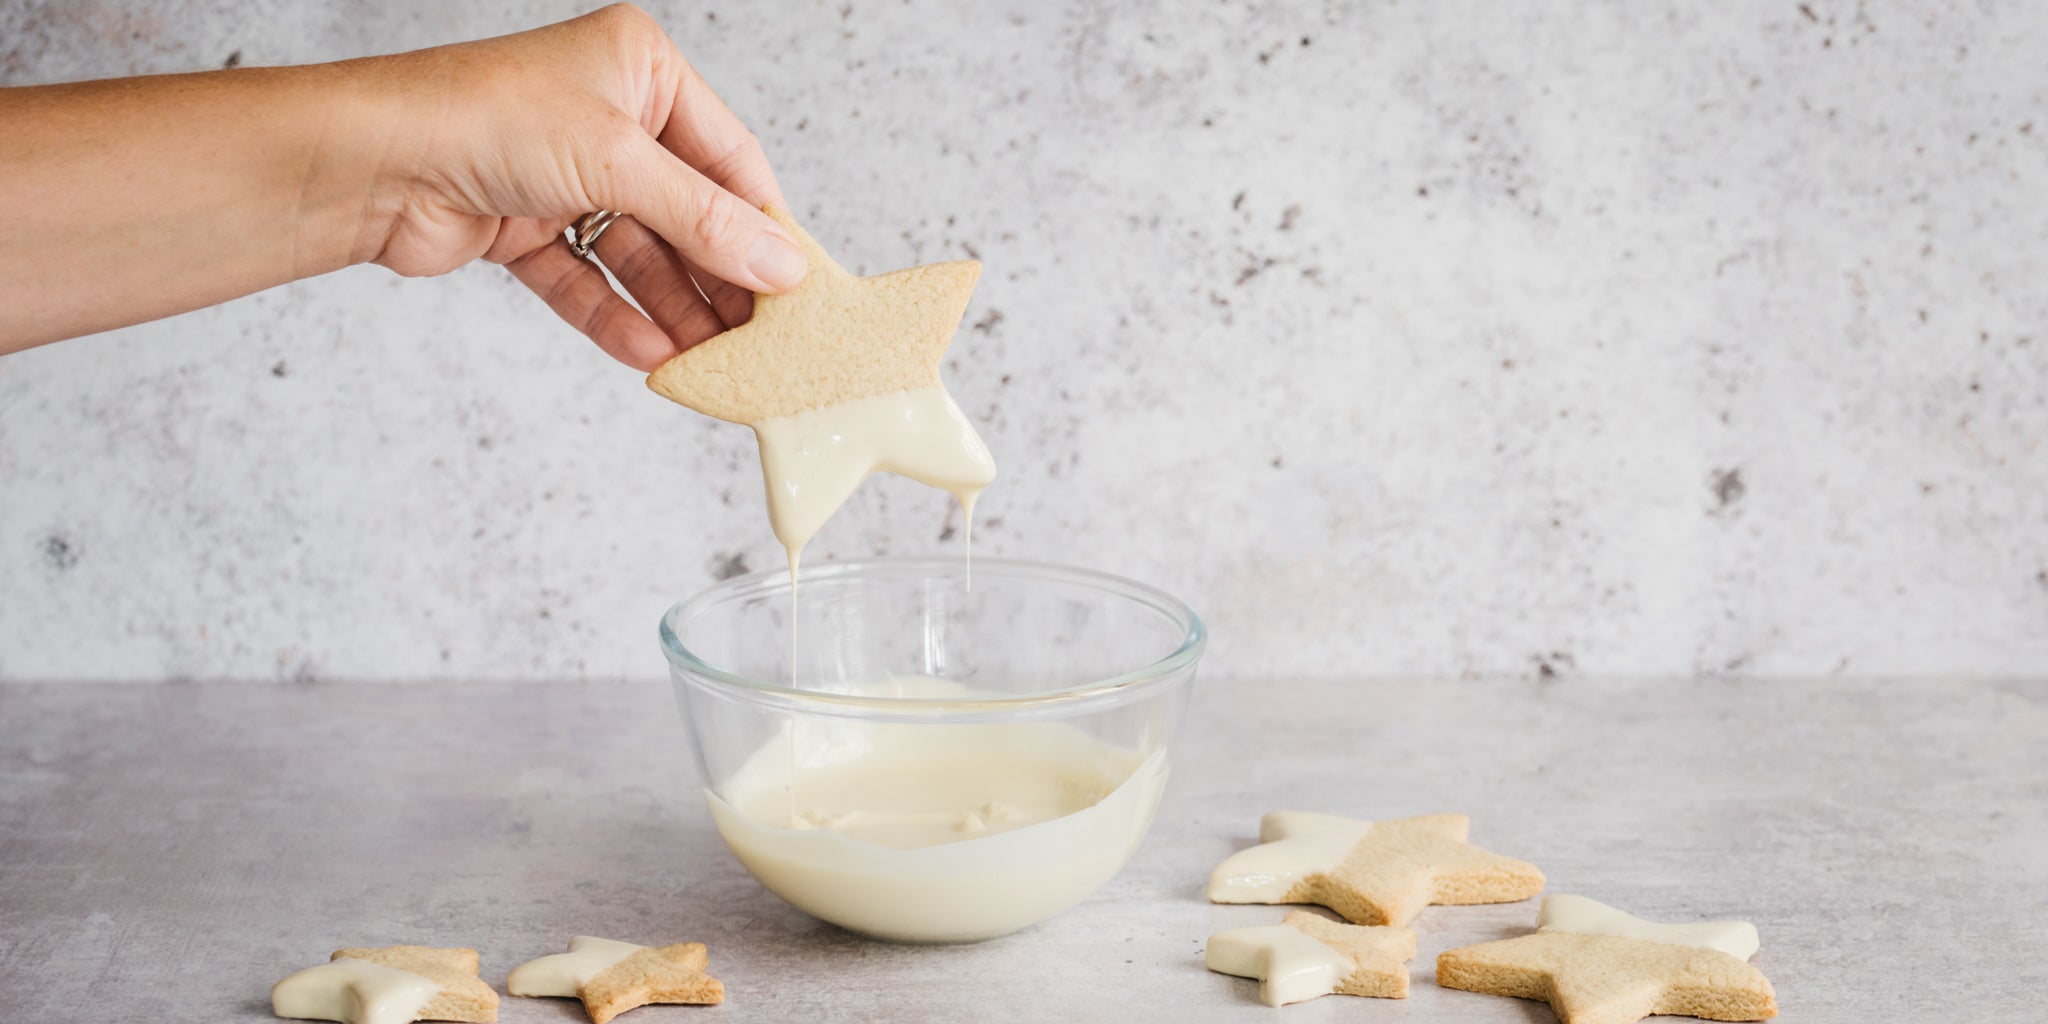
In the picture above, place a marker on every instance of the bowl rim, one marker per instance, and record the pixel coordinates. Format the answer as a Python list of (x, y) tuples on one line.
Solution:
[(1116, 688)]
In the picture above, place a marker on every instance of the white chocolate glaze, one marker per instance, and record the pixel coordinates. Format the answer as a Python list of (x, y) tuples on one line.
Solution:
[(1562, 913), (813, 461), (563, 974), (355, 992), (1293, 845), (1290, 964)]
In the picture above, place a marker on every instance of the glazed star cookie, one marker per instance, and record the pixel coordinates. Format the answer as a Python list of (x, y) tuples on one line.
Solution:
[(388, 985), (612, 977), (1380, 873), (1307, 955), (1597, 965), (839, 379)]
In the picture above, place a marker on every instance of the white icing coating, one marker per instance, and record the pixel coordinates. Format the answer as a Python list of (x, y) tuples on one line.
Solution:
[(814, 460), (1294, 844), (1290, 964), (1562, 913), (563, 974), (355, 992)]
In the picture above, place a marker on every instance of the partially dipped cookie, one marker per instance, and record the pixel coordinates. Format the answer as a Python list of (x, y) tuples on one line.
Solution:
[(1597, 965), (611, 977), (839, 378), (1371, 872), (388, 985), (1306, 956)]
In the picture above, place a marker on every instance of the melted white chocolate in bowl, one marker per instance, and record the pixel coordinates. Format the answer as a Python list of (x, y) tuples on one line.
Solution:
[(937, 832)]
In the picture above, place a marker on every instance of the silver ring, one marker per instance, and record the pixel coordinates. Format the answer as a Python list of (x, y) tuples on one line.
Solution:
[(590, 229)]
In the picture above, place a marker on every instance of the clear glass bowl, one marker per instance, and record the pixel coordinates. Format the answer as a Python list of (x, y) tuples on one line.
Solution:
[(922, 760)]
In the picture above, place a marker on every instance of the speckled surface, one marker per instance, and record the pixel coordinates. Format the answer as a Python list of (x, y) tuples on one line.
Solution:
[(169, 851), (1458, 338)]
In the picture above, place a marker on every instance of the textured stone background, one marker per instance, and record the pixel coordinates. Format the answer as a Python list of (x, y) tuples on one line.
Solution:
[(1399, 338)]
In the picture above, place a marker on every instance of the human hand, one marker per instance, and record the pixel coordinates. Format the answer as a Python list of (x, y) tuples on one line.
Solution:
[(505, 142)]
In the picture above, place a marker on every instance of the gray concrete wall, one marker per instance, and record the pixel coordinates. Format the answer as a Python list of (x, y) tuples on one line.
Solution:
[(1399, 338)]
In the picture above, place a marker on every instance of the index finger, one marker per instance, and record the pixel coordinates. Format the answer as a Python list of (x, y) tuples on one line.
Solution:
[(707, 135)]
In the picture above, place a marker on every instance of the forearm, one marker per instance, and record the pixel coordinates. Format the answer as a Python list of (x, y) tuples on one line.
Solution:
[(122, 201), (133, 199)]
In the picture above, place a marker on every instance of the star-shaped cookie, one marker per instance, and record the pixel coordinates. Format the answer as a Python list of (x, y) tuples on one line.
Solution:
[(1307, 955), (837, 337), (612, 977), (1609, 979), (389, 985), (1380, 873)]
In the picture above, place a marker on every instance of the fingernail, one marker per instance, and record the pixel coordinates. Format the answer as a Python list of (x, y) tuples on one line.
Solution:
[(776, 261)]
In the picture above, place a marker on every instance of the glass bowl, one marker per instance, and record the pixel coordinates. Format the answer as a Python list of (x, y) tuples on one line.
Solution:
[(923, 757)]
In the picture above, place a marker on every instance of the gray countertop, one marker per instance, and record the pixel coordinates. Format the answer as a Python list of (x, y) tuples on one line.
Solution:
[(167, 851)]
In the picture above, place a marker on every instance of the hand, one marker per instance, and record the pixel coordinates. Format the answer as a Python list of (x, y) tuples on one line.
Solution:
[(150, 196), (501, 144)]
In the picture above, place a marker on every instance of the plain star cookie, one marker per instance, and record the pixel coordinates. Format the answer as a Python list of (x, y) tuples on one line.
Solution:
[(1618, 969), (1379, 873), (1306, 955), (837, 337), (389, 985), (612, 977)]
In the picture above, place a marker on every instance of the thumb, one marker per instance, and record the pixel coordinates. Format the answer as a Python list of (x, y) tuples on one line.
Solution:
[(715, 230)]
